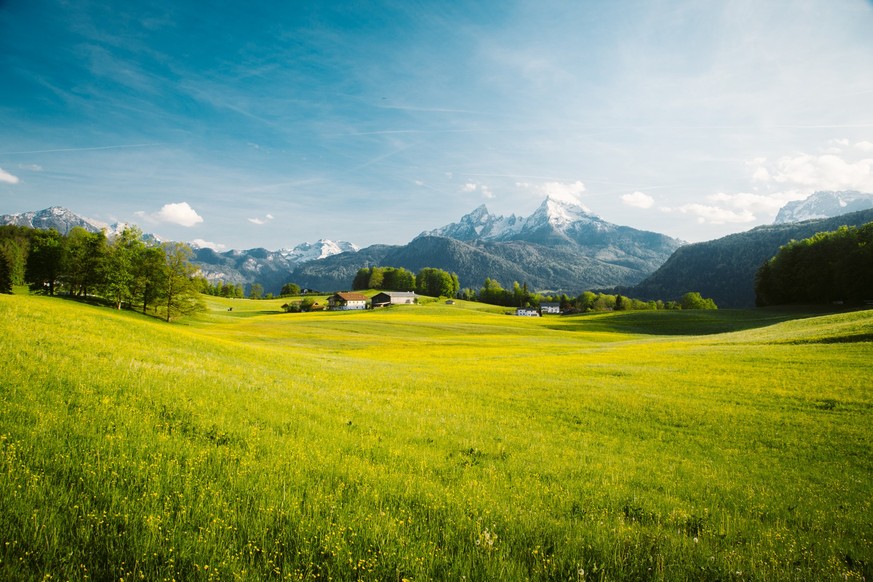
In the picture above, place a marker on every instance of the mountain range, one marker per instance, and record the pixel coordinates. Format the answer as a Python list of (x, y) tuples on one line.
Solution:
[(270, 268), (561, 247), (824, 205)]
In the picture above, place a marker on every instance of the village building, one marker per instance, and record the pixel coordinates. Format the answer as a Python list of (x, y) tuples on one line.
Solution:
[(386, 298), (527, 312), (551, 308), (346, 301)]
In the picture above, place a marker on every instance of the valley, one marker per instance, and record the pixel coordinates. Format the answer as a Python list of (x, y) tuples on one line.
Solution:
[(433, 441)]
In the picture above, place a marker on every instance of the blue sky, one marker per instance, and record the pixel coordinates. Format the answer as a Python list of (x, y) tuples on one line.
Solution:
[(273, 123)]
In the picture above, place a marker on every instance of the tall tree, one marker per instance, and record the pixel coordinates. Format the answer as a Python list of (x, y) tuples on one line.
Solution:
[(119, 280), (149, 271), (84, 265), (5, 274), (178, 293), (290, 289), (14, 245), (45, 260), (436, 283)]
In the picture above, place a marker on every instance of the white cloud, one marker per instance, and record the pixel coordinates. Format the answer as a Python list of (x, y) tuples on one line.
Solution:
[(707, 214), (824, 172), (30, 167), (835, 146), (483, 189), (743, 207), (761, 174), (205, 244), (7, 177), (638, 200), (768, 204), (570, 192), (176, 213), (259, 221), (864, 146)]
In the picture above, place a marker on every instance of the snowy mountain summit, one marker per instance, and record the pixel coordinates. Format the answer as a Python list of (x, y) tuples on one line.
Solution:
[(553, 217), (56, 217), (321, 249), (824, 205)]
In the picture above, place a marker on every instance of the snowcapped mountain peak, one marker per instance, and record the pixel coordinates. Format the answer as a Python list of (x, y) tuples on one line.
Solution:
[(824, 204), (56, 217), (320, 249), (553, 218), (560, 213)]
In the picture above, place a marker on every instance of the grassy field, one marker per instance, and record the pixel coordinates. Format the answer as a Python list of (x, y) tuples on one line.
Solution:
[(433, 442)]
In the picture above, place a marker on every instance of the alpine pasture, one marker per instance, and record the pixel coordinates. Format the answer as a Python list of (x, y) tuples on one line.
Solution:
[(433, 442)]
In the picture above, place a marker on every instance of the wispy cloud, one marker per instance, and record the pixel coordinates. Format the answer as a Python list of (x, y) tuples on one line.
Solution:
[(710, 214), (564, 191), (205, 244), (483, 189), (7, 178), (90, 149), (828, 171), (260, 221)]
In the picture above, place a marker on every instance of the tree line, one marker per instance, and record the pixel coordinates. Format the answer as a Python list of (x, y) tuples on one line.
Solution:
[(438, 283), (827, 267), (123, 270), (429, 281), (493, 293)]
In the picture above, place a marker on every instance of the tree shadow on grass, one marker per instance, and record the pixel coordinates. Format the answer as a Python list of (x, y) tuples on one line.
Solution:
[(685, 322)]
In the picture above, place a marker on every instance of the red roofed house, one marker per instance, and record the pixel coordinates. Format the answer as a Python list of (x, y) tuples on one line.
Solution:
[(346, 301)]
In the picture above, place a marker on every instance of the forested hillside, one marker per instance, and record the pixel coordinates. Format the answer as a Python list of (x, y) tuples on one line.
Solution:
[(828, 267), (724, 269)]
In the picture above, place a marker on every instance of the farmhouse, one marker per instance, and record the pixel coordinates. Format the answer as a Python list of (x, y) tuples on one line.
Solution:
[(527, 312), (553, 308), (346, 301), (386, 298)]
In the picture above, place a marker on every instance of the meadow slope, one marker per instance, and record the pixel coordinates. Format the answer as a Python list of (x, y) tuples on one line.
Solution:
[(433, 442)]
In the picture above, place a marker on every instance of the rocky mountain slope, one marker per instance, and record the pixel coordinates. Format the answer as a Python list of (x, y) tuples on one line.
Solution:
[(56, 217), (824, 205)]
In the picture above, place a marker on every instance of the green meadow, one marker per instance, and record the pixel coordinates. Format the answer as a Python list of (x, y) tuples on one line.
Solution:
[(434, 442)]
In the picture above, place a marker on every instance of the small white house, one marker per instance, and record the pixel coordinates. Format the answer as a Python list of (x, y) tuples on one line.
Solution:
[(551, 308), (527, 312), (346, 301)]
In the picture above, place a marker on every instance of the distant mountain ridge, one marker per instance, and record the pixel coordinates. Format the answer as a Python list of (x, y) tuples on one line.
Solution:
[(56, 217), (270, 268), (824, 204), (560, 247), (553, 222), (724, 269)]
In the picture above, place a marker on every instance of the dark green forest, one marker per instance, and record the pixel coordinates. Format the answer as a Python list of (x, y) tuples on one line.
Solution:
[(725, 268), (828, 267)]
